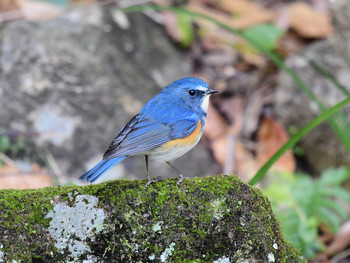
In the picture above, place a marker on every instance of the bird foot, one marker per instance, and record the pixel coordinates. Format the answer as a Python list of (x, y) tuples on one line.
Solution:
[(182, 177), (150, 180)]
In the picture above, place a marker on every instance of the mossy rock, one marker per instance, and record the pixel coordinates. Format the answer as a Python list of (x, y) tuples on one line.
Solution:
[(209, 219)]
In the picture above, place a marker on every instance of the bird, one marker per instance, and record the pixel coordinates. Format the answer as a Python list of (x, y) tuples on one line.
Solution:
[(168, 126)]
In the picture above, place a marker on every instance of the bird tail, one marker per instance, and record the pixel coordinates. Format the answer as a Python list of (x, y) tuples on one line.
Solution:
[(100, 169)]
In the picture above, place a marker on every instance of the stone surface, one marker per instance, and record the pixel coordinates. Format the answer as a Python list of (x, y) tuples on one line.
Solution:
[(210, 219), (294, 108), (77, 80)]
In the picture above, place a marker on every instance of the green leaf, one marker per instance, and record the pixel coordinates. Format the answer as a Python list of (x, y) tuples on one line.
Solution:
[(267, 35), (309, 251), (335, 176), (308, 230), (289, 219), (303, 189), (329, 218), (336, 192), (334, 206), (5, 143), (281, 194), (186, 29)]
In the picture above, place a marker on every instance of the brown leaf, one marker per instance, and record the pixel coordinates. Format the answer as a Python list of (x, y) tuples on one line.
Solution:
[(308, 22), (9, 10), (214, 37), (39, 10), (9, 5), (238, 159), (12, 177), (215, 131), (247, 13), (254, 59), (233, 108), (215, 126), (228, 151), (271, 136), (219, 148), (245, 162)]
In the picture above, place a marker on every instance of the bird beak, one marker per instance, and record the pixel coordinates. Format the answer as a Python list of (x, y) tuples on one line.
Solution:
[(211, 91)]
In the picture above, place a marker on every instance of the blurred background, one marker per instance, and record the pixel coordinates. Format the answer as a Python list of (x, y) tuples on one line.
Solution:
[(73, 72)]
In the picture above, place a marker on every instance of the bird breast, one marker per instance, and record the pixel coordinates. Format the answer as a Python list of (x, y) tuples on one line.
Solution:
[(178, 147)]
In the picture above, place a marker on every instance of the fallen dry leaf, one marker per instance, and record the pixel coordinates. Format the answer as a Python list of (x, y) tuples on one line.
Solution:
[(11, 177), (308, 22), (216, 129), (247, 13), (217, 37), (254, 59), (271, 136), (233, 108), (9, 10), (245, 162), (228, 151), (242, 20), (9, 5), (39, 10), (219, 149), (215, 126)]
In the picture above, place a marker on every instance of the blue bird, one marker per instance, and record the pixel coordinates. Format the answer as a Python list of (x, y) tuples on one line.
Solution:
[(167, 127)]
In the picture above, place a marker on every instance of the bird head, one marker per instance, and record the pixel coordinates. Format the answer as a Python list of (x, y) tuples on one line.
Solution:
[(191, 92)]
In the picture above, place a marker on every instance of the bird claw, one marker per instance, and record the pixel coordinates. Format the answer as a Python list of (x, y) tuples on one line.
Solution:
[(153, 180), (182, 177)]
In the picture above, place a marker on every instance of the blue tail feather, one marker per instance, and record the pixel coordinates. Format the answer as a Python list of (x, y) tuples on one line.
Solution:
[(100, 169)]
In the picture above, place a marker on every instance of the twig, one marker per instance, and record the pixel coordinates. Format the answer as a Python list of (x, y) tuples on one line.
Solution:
[(337, 258), (15, 133), (7, 160), (230, 154), (11, 15), (55, 168)]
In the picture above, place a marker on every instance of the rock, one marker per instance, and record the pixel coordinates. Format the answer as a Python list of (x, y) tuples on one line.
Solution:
[(210, 219), (294, 108), (78, 79)]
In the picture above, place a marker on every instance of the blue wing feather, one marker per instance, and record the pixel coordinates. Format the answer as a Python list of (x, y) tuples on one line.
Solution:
[(100, 169), (144, 133), (182, 129)]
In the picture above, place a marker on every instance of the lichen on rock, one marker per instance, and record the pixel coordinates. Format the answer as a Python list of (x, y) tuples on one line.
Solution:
[(70, 227)]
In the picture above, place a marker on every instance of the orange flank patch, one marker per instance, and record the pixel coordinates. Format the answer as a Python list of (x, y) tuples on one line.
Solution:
[(189, 140)]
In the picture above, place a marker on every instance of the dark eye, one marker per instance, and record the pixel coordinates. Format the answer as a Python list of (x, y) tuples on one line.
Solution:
[(192, 92)]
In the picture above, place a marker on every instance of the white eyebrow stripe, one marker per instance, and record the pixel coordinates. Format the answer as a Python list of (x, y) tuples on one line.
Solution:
[(202, 88)]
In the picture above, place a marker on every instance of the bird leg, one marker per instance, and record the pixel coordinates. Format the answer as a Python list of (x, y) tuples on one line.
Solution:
[(150, 180), (182, 177)]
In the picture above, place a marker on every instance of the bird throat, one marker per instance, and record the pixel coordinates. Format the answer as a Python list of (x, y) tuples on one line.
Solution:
[(205, 103)]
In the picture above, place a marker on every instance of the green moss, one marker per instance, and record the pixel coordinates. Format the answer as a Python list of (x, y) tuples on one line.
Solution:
[(202, 220)]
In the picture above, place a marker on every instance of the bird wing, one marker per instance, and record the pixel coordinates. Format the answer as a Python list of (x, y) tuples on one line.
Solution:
[(143, 133)]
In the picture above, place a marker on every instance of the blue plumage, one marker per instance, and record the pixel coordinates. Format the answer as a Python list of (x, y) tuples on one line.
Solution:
[(100, 169), (171, 116)]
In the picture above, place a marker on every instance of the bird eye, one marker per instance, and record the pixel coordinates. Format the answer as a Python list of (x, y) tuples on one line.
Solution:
[(192, 92)]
